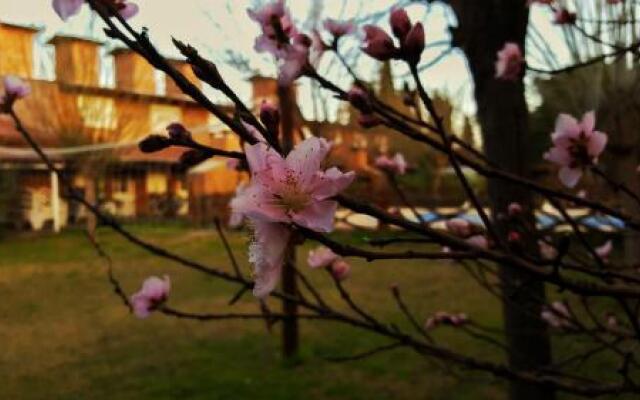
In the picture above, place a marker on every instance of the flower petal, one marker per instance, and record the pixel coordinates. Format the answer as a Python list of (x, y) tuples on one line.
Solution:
[(67, 8), (331, 182), (267, 255), (558, 155), (569, 176), (597, 143), (589, 121), (129, 10), (318, 216), (305, 159)]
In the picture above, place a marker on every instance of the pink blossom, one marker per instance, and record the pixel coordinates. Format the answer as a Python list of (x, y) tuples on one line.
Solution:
[(237, 218), (253, 132), (68, 8), (277, 27), (338, 28), (153, 293), (563, 16), (557, 315), (292, 190), (321, 257), (510, 62), (285, 191), (14, 89), (340, 269), (266, 254), (576, 145), (281, 38), (459, 227), (293, 63), (395, 165), (378, 43), (605, 250), (127, 10)]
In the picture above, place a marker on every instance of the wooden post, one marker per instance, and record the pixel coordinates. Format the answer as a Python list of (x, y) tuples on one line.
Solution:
[(290, 335), (55, 202)]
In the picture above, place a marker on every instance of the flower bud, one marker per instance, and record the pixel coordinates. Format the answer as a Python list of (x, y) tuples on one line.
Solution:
[(378, 44), (340, 269), (400, 23), (359, 99), (413, 44), (270, 116), (514, 209), (513, 236), (178, 132)]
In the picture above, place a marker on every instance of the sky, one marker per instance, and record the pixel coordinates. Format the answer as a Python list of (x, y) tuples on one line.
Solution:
[(216, 27)]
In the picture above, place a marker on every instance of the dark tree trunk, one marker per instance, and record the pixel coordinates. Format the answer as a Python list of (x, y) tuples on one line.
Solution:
[(484, 27)]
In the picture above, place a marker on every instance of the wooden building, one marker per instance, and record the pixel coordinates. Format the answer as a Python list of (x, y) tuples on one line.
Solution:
[(92, 133)]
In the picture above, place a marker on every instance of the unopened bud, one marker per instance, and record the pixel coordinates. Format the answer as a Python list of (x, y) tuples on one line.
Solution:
[(400, 23), (178, 132), (413, 44), (270, 116), (359, 99)]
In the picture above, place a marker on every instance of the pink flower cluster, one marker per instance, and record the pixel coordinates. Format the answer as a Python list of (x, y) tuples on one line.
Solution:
[(153, 293), (68, 8), (445, 318), (510, 62), (284, 191), (295, 51), (576, 146), (14, 89), (380, 45), (324, 257), (395, 165)]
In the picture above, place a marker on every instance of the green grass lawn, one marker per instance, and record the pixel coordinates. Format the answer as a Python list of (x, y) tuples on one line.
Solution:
[(65, 335)]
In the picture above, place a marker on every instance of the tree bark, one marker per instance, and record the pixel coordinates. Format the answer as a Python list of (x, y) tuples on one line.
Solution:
[(484, 27)]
